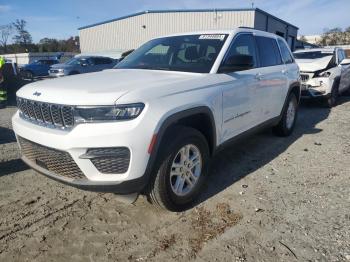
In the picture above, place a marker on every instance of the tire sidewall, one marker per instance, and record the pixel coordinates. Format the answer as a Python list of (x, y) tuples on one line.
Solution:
[(287, 130), (332, 100), (178, 202)]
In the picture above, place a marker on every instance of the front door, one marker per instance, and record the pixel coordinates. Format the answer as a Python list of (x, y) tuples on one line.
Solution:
[(239, 88)]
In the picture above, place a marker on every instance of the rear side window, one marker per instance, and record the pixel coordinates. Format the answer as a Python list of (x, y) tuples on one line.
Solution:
[(102, 61), (286, 55), (269, 54)]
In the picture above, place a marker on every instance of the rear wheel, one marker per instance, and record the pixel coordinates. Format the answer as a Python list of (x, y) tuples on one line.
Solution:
[(181, 172), (289, 115)]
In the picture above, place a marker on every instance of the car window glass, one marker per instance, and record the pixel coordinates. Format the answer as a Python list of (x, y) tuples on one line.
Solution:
[(286, 54), (243, 45), (187, 53), (340, 56), (269, 54)]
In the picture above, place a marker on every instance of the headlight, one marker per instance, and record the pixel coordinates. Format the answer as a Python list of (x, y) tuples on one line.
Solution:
[(324, 74), (108, 113), (60, 70)]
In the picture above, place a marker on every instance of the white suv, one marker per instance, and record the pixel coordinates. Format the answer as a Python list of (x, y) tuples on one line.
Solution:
[(325, 73), (152, 124)]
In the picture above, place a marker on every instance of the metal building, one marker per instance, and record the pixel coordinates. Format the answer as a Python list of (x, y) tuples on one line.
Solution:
[(131, 31)]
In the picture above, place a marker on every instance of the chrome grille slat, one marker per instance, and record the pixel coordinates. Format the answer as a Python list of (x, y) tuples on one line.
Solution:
[(30, 109), (54, 115), (37, 111), (45, 108)]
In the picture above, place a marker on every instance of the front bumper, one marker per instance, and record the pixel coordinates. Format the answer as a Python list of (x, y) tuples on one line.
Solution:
[(126, 187), (319, 87), (53, 75), (80, 139)]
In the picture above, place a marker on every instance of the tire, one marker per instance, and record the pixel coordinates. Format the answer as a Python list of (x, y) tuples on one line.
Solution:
[(331, 101), (347, 92), (169, 187), (28, 75), (74, 73), (286, 125)]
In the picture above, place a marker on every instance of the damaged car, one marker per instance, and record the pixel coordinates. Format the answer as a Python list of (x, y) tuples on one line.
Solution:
[(324, 72)]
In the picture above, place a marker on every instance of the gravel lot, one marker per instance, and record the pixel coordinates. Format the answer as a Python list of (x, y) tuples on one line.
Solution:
[(268, 199)]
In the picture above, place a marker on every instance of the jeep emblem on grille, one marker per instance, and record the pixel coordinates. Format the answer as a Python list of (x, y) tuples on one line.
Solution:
[(36, 94)]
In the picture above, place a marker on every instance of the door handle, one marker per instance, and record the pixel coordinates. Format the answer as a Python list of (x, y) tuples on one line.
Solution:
[(259, 76), (284, 71)]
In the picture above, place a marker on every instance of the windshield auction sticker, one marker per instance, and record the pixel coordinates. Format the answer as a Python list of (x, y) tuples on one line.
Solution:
[(212, 37)]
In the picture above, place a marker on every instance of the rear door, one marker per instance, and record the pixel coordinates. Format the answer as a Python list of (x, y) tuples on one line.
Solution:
[(272, 76), (239, 96)]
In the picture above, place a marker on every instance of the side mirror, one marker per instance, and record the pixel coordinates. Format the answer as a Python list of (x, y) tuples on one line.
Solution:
[(237, 63), (84, 64), (345, 61)]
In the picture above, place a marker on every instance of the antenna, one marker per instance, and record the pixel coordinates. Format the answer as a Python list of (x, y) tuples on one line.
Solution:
[(252, 4)]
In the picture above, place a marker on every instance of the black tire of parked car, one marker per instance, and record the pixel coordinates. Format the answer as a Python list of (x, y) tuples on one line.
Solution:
[(347, 92), (282, 129), (333, 98), (159, 191), (74, 73), (27, 75)]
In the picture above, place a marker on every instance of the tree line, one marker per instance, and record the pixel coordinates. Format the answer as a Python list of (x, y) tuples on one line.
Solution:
[(334, 36), (22, 41)]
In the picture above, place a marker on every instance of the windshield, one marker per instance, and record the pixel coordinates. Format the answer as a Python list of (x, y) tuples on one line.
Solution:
[(186, 53), (312, 55)]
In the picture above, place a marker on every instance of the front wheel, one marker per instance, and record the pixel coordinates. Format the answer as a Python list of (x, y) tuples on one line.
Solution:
[(333, 98), (28, 75), (182, 171), (289, 115)]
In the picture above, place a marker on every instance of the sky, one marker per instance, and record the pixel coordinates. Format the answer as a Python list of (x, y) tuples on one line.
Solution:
[(61, 18)]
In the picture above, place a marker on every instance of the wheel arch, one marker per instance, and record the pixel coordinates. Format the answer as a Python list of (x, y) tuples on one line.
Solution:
[(200, 118), (293, 88), (183, 118)]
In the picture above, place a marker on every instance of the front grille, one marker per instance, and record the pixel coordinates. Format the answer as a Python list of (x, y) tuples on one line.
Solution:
[(61, 116), (54, 71), (113, 160), (304, 77), (58, 162)]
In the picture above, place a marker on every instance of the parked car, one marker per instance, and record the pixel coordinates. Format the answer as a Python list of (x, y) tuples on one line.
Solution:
[(325, 73), (82, 64), (153, 123), (38, 68)]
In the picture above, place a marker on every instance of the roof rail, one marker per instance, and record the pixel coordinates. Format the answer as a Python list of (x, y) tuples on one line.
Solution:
[(246, 27)]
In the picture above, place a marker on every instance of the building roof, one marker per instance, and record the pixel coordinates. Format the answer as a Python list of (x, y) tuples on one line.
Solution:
[(188, 11)]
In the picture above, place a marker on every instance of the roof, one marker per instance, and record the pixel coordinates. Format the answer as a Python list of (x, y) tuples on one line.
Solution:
[(189, 11)]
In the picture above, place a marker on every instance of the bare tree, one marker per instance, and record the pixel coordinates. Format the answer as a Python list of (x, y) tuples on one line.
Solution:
[(5, 33), (22, 37)]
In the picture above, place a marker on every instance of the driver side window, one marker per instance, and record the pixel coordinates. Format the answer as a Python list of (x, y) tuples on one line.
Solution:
[(241, 55)]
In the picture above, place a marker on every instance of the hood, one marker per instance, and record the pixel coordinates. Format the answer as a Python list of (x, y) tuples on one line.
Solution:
[(100, 88), (312, 65), (60, 66)]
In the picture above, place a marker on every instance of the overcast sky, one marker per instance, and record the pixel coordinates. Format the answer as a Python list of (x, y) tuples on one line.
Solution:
[(60, 19)]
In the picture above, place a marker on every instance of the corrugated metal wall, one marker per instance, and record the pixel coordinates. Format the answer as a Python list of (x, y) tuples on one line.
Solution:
[(133, 31)]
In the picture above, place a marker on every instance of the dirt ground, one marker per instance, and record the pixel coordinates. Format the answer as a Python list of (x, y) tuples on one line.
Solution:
[(267, 199)]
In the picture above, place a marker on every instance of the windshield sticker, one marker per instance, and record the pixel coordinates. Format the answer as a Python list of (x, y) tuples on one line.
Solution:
[(212, 37)]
